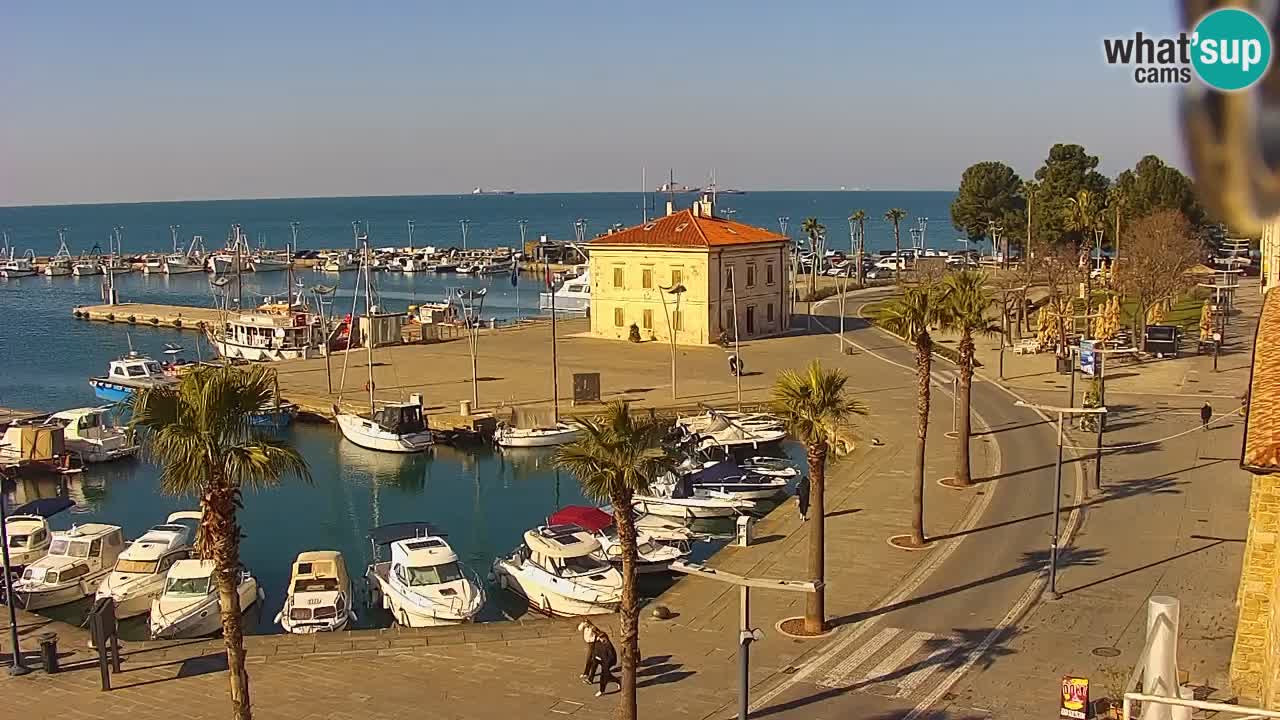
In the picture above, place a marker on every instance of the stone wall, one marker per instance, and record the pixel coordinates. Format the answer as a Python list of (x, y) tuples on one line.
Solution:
[(1255, 659)]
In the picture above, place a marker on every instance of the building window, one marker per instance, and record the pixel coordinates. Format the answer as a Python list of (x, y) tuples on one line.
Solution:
[(677, 276), (646, 278), (768, 313), (728, 320), (617, 277), (768, 274), (751, 275), (648, 318), (751, 320), (677, 320), (728, 278), (617, 317)]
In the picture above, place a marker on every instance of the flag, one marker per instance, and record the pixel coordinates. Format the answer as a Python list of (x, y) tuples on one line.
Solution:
[(515, 273)]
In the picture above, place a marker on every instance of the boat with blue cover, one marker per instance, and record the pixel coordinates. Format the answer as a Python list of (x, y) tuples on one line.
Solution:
[(129, 374)]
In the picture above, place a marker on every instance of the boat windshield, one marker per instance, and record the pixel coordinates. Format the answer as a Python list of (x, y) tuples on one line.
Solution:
[(581, 565), (62, 546), (141, 567), (18, 541), (187, 586), (434, 574), (316, 585)]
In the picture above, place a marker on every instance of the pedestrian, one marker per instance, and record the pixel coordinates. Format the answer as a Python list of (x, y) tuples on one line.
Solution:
[(1206, 414), (605, 656), (589, 631), (802, 498)]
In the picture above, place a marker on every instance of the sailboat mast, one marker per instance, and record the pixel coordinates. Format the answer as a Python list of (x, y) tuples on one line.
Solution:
[(235, 229), (173, 230), (555, 365), (289, 251), (368, 314)]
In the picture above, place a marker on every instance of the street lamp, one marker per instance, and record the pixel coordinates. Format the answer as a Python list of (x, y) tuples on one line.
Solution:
[(1052, 594), (321, 292), (471, 318), (737, 352), (678, 289), (465, 223), (844, 287), (923, 224), (17, 668), (746, 633)]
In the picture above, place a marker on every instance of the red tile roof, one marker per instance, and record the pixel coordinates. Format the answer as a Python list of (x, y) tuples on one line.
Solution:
[(1261, 452), (684, 229)]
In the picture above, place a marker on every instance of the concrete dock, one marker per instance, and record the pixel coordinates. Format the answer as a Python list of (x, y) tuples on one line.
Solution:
[(180, 317)]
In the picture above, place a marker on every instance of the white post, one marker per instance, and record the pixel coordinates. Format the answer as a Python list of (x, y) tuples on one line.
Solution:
[(1160, 676)]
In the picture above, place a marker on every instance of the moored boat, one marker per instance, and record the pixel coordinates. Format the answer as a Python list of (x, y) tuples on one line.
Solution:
[(319, 595), (77, 561), (189, 607), (138, 576), (129, 374), (676, 497), (423, 584), (60, 264), (557, 571), (652, 556), (89, 433), (29, 532), (550, 436)]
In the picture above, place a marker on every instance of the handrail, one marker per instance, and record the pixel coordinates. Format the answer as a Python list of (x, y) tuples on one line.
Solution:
[(1248, 712)]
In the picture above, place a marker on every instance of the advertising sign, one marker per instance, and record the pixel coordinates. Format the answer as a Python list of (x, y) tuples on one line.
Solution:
[(1075, 698), (1088, 358)]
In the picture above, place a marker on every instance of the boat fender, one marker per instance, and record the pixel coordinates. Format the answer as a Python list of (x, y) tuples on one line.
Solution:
[(200, 324), (177, 322), (546, 604), (111, 317), (133, 319)]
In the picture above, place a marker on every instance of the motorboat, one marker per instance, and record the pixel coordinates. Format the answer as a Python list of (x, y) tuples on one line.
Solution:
[(89, 433), (192, 260), (319, 595), (728, 430), (446, 266), (266, 261), (28, 531), (390, 427), (573, 296), (676, 497), (714, 420), (769, 467), (556, 434), (495, 266), (116, 265), (189, 606), (60, 264), (423, 584), (77, 561), (268, 337), (274, 416), (139, 573), (129, 374), (87, 265), (727, 479), (340, 262), (651, 556), (18, 266), (558, 571), (153, 264)]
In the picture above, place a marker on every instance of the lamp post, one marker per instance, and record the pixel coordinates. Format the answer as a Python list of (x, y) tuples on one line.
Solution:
[(17, 668), (1052, 593), (922, 224), (322, 291), (844, 287), (466, 224), (746, 633), (737, 352), (471, 318), (677, 290)]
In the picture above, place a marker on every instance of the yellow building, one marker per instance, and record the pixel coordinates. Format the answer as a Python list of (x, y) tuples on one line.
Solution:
[(678, 274)]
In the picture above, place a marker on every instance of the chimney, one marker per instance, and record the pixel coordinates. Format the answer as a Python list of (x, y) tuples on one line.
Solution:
[(705, 207), (671, 207)]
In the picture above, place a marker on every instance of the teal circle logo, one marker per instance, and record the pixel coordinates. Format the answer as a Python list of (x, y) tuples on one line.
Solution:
[(1231, 49)]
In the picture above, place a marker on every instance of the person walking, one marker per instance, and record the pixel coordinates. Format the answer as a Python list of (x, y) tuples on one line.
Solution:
[(589, 632), (1206, 414), (802, 498), (605, 656)]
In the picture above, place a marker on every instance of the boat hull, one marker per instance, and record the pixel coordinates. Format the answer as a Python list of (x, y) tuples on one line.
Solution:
[(514, 438), (690, 510), (274, 419), (39, 599), (203, 619), (236, 351), (85, 271), (16, 273), (172, 269), (111, 392), (53, 271), (359, 431), (546, 602)]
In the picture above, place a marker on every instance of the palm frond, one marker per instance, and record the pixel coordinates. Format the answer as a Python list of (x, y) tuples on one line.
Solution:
[(615, 453), (965, 300), (912, 315), (814, 406)]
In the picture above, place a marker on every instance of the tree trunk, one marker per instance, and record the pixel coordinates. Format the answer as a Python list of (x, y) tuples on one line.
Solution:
[(924, 354), (897, 263), (815, 609), (222, 545), (963, 477), (630, 615), (862, 271)]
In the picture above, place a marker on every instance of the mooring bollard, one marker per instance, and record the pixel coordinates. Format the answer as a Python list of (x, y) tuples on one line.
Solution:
[(49, 652)]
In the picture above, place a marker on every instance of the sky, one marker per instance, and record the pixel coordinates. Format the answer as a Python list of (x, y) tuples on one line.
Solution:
[(151, 101)]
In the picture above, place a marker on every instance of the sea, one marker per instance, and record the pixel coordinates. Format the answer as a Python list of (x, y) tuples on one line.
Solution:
[(484, 498)]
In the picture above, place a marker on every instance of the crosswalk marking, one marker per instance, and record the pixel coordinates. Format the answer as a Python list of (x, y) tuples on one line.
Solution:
[(908, 684), (895, 659), (836, 676)]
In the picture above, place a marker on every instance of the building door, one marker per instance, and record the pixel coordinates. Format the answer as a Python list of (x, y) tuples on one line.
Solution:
[(751, 320)]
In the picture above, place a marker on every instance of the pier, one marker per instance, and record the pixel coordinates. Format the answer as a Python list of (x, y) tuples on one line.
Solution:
[(178, 317)]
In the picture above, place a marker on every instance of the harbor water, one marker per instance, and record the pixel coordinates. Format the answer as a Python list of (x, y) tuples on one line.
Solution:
[(484, 498)]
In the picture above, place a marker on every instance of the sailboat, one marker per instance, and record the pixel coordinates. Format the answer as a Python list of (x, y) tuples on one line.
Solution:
[(540, 434), (60, 264), (398, 427)]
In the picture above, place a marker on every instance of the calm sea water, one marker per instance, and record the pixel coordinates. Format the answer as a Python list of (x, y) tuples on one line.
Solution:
[(484, 499)]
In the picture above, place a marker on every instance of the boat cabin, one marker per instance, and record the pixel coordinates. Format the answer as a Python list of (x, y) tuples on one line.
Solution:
[(155, 552), (135, 367), (89, 547), (424, 561), (190, 578), (319, 571), (270, 331), (399, 418), (28, 534), (563, 550)]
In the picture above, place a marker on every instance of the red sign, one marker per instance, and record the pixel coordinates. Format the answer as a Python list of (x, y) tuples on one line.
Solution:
[(1075, 698)]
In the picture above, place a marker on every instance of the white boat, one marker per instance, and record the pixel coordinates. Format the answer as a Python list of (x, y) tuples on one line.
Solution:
[(189, 606), (516, 437), (340, 262), (78, 559), (18, 266), (269, 262), (87, 265), (652, 556), (89, 433), (423, 584), (674, 497), (728, 430), (558, 572), (139, 573), (183, 264), (726, 479), (495, 266), (29, 532), (268, 337), (60, 264), (153, 264), (319, 595), (770, 467), (129, 374), (573, 296)]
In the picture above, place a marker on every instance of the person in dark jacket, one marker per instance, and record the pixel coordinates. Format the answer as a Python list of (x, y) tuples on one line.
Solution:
[(802, 498), (1206, 414), (589, 633), (606, 656)]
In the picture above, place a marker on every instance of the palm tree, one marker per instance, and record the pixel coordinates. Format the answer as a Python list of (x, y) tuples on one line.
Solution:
[(616, 457), (910, 317), (815, 409), (965, 299), (859, 217), (1085, 215), (816, 232), (199, 433), (896, 216)]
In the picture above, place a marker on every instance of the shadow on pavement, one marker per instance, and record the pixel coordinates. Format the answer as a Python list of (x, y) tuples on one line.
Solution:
[(1216, 542)]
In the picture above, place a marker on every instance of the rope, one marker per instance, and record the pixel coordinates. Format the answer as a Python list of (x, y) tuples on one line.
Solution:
[(1152, 442)]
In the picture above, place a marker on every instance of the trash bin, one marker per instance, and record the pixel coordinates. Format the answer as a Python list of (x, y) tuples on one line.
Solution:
[(49, 652), (746, 528)]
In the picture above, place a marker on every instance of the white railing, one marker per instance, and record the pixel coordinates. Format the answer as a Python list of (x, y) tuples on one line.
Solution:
[(1247, 713)]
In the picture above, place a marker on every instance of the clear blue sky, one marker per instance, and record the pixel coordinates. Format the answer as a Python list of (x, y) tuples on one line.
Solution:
[(146, 100)]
